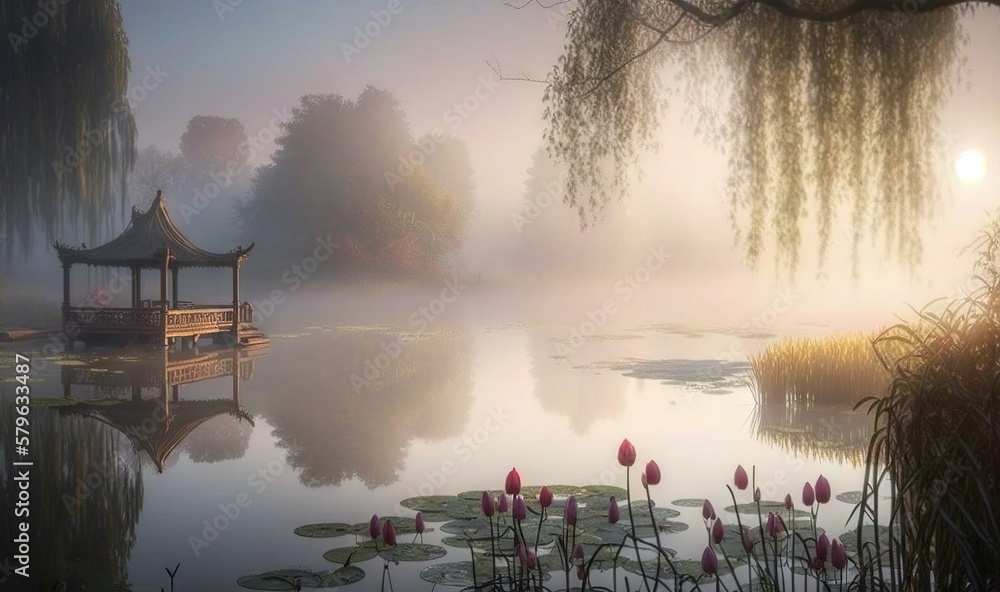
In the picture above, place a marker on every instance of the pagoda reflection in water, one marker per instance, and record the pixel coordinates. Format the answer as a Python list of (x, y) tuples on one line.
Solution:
[(120, 389)]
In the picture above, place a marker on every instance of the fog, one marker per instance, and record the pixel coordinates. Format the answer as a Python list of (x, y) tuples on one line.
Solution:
[(523, 252)]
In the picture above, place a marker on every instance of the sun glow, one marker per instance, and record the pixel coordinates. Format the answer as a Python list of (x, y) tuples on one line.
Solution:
[(970, 166)]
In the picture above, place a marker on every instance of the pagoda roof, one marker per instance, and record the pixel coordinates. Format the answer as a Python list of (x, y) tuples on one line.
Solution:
[(144, 243), (132, 419)]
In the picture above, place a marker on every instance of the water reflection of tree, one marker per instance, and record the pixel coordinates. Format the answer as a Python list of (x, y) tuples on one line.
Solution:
[(334, 431), (86, 496), (832, 434), (582, 395), (224, 437)]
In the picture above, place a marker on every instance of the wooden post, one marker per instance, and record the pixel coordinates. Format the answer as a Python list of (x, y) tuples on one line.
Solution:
[(138, 287), (65, 304), (173, 285), (236, 303), (163, 298)]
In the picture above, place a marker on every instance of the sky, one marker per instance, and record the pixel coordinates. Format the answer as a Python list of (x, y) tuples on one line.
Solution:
[(253, 59)]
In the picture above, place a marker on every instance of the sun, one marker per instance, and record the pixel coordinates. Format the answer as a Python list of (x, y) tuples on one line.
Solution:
[(970, 166)]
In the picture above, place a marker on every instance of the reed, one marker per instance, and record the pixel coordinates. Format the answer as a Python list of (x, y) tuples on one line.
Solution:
[(808, 371)]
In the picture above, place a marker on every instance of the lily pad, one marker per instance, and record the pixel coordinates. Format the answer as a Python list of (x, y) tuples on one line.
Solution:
[(281, 579), (355, 554), (475, 527), (750, 509), (342, 576), (458, 573), (688, 503), (403, 524), (498, 546), (413, 552), (449, 505), (640, 513), (324, 530), (868, 534), (851, 497)]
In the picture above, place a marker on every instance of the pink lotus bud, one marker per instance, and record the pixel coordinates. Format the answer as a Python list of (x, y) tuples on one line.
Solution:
[(645, 483), (652, 473), (521, 553), (374, 528), (578, 552), (808, 495), (532, 560), (707, 511), (822, 490), (389, 533), (747, 541), (838, 557), (519, 511), (709, 561), (769, 526), (817, 564), (756, 494), (502, 504), (741, 480), (822, 546), (626, 454), (581, 572), (614, 512), (513, 484), (545, 496), (569, 513), (419, 523), (788, 501), (718, 531), (489, 507)]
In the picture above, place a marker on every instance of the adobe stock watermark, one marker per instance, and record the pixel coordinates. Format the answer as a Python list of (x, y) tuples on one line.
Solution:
[(219, 180), (94, 137), (453, 117), (365, 34), (461, 453), (553, 192), (627, 287), (419, 321), (31, 25), (293, 277), (230, 510)]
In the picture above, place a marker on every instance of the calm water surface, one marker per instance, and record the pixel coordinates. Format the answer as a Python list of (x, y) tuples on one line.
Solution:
[(344, 426)]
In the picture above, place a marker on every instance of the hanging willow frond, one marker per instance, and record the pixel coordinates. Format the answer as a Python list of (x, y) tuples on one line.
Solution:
[(67, 133), (818, 113)]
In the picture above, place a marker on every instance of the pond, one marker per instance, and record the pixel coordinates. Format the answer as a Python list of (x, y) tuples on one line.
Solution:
[(335, 422)]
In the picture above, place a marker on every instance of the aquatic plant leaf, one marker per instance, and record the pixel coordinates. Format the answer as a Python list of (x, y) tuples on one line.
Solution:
[(403, 524), (355, 554), (458, 573), (688, 502), (280, 579), (750, 509), (413, 552), (449, 505), (475, 527), (868, 535), (342, 576), (324, 530), (851, 497)]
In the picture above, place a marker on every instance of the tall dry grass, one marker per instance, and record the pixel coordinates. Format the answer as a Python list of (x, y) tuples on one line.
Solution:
[(806, 371)]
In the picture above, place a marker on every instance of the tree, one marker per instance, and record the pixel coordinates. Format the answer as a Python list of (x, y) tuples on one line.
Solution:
[(213, 144), (67, 135), (155, 170), (352, 171), (831, 102), (552, 244)]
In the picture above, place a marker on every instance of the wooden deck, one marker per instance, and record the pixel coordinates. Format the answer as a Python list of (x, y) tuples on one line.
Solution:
[(192, 321)]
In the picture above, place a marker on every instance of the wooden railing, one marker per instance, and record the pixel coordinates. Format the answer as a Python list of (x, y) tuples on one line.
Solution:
[(188, 321), (142, 320)]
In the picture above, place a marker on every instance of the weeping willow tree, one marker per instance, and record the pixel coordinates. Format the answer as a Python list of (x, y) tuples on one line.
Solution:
[(818, 105), (67, 134)]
